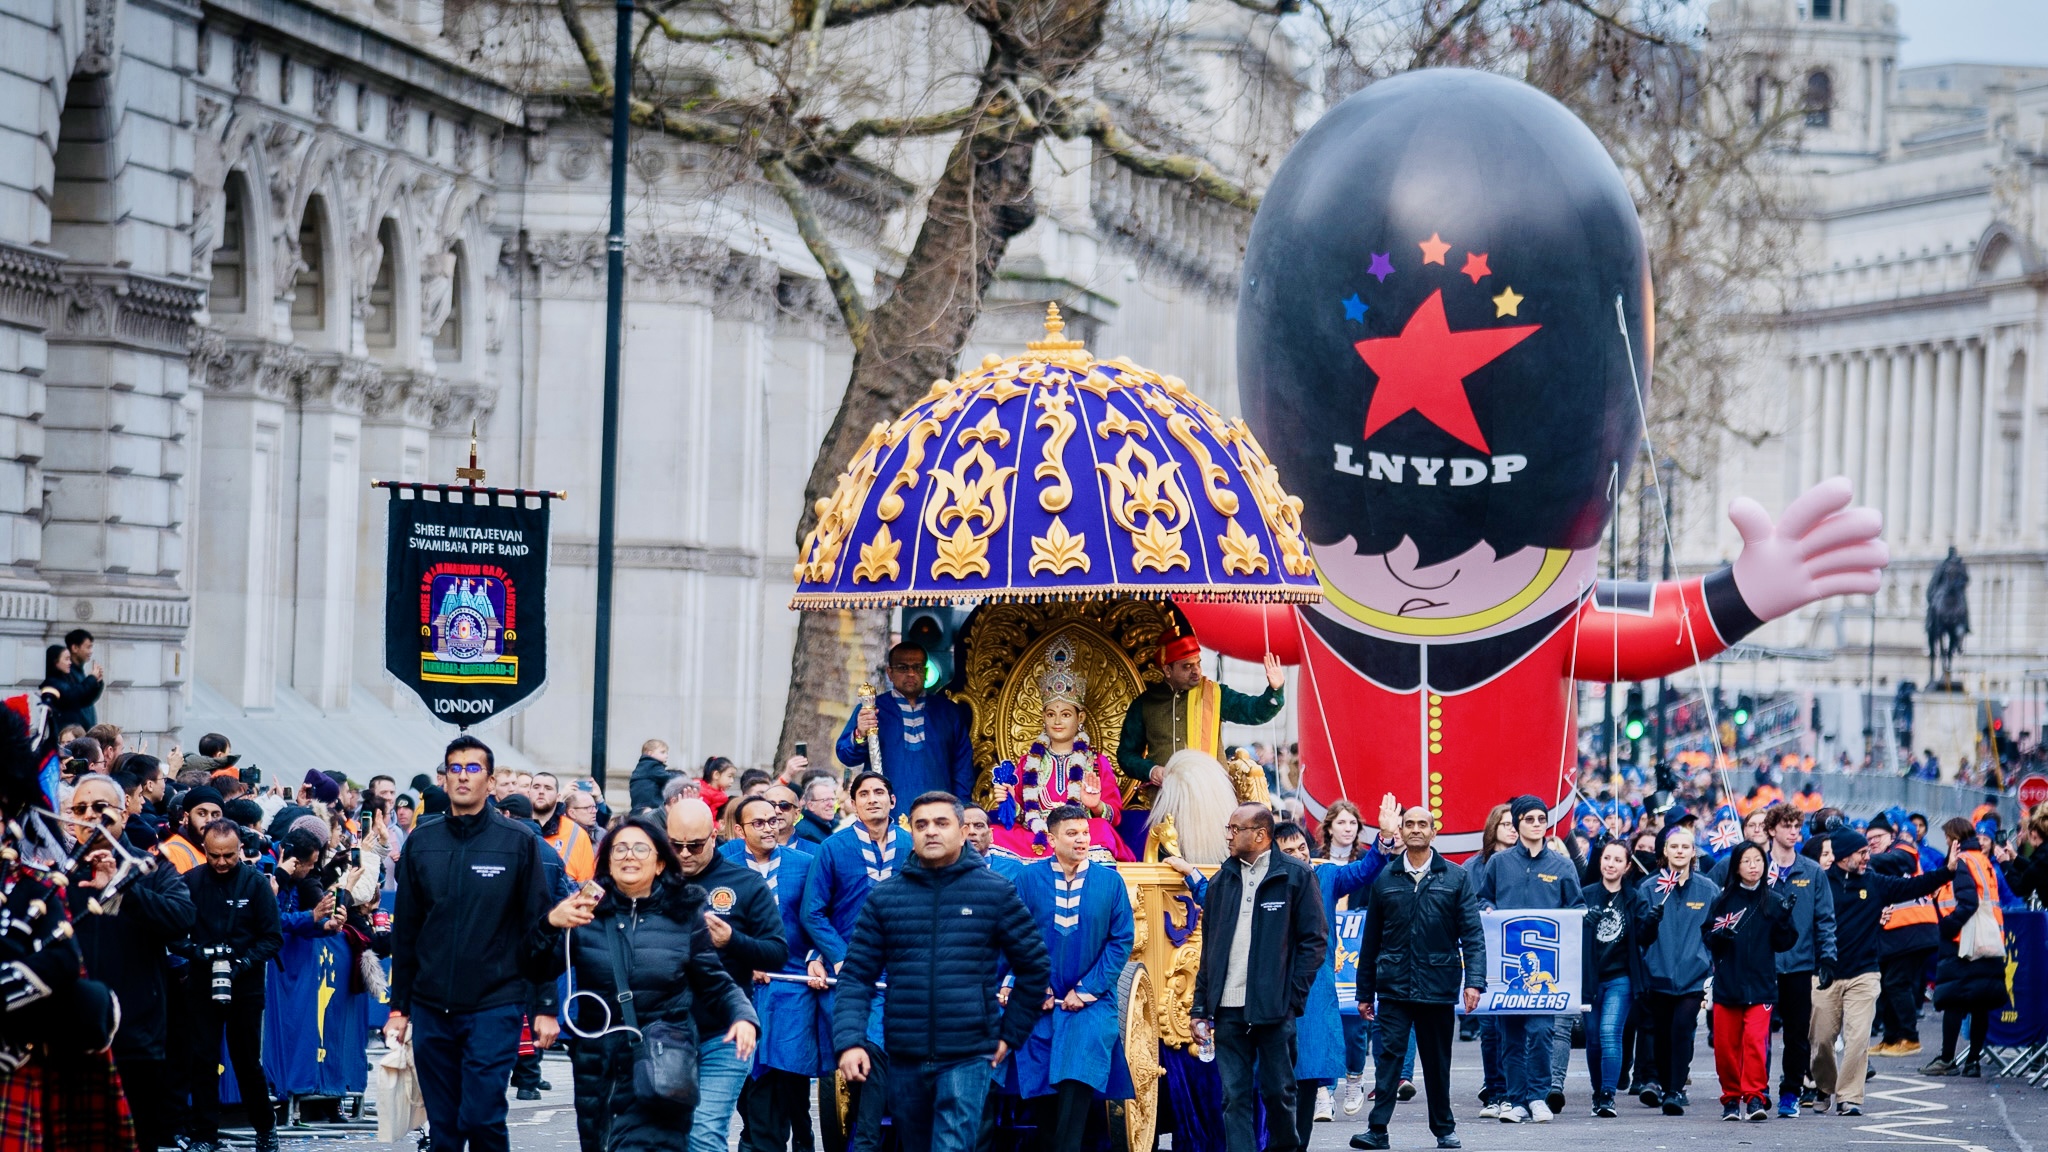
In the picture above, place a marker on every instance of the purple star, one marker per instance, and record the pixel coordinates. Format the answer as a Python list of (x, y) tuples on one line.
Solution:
[(1381, 267)]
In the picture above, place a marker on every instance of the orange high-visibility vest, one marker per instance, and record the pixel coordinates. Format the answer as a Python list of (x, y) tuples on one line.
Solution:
[(579, 856), (182, 855), (1987, 888), (1920, 911)]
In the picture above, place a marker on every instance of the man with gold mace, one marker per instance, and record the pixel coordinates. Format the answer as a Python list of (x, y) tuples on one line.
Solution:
[(1185, 710), (1060, 768)]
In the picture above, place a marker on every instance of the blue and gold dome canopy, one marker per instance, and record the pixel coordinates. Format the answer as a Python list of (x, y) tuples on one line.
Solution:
[(1054, 476)]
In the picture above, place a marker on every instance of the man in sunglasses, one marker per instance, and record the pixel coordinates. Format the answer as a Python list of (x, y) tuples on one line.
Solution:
[(126, 947), (924, 736), (744, 921), (469, 887)]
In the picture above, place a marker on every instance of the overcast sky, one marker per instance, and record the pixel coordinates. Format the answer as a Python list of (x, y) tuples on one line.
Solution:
[(1991, 31)]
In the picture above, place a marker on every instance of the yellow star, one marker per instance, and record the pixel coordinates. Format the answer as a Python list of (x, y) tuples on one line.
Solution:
[(1506, 303), (1433, 249)]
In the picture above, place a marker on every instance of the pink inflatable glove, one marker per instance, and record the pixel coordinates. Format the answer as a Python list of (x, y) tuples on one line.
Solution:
[(1820, 547)]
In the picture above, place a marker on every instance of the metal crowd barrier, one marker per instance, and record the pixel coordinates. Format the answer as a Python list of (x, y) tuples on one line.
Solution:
[(1867, 793)]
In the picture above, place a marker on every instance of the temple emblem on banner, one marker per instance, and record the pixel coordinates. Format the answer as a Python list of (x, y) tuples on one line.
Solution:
[(466, 614)]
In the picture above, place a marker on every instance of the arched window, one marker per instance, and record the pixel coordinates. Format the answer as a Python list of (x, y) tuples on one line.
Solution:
[(1819, 99), (228, 292), (309, 287), (448, 341), (380, 328)]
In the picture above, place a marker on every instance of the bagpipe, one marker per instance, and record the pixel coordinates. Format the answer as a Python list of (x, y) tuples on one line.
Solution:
[(46, 1001)]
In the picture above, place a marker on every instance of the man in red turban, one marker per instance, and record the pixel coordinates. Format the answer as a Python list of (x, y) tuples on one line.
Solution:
[(1185, 710)]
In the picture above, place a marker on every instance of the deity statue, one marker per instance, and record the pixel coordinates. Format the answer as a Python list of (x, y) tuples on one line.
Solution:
[(1948, 617), (1059, 768)]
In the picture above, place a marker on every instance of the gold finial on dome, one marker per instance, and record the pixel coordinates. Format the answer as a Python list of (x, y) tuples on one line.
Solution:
[(1053, 343)]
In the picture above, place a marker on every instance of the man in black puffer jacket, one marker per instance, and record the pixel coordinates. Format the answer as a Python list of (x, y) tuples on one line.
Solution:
[(939, 930)]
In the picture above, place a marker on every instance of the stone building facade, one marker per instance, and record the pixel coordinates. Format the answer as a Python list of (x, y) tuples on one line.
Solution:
[(256, 253), (1910, 356)]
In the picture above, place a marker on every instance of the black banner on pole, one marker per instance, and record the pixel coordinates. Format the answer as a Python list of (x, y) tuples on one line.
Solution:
[(466, 599)]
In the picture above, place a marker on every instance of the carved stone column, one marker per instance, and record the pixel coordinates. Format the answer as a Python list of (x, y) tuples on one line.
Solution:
[(114, 542), (31, 289), (324, 458), (397, 444), (243, 488)]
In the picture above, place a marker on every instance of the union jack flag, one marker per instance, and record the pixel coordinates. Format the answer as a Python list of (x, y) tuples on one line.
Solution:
[(1667, 881), (1728, 921), (1779, 872), (1726, 832)]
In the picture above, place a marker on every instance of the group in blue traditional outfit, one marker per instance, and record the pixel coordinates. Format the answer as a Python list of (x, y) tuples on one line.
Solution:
[(1075, 1055), (846, 868)]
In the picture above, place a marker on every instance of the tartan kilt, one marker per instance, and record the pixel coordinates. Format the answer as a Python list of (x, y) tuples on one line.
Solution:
[(77, 1106)]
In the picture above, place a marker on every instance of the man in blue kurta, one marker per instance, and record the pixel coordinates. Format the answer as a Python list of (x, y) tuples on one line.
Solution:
[(775, 1097), (846, 868), (1075, 1055), (925, 747)]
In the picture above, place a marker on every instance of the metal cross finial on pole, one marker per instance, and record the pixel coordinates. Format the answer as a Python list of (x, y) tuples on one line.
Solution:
[(473, 474), (608, 446)]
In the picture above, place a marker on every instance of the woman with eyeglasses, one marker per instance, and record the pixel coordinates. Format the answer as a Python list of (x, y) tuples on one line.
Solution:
[(647, 919)]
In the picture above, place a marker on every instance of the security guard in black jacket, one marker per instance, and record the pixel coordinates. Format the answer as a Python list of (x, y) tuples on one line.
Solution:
[(469, 888), (235, 935), (126, 948)]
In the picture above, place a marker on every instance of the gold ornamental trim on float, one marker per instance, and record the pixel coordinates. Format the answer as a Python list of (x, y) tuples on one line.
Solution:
[(1051, 476)]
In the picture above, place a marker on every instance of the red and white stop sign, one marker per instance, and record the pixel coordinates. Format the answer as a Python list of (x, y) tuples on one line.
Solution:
[(2032, 791)]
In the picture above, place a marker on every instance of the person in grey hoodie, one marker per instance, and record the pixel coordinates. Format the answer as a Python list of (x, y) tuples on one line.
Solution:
[(1810, 963), (1529, 875), (1676, 964)]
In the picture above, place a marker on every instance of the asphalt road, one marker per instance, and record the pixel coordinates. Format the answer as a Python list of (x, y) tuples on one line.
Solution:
[(1902, 1110)]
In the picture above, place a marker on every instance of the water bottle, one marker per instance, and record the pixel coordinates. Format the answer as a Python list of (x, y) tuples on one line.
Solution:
[(1205, 1046)]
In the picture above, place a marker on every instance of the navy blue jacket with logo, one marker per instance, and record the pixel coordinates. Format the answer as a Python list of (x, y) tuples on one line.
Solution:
[(737, 895), (469, 889), (1860, 900), (1514, 879)]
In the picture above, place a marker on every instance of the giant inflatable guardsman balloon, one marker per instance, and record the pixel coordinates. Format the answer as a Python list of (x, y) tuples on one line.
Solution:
[(1446, 309)]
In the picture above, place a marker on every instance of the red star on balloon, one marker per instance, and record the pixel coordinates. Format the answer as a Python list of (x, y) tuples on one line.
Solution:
[(1424, 368)]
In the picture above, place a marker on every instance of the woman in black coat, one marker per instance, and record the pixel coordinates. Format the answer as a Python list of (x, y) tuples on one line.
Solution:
[(66, 695), (1965, 989), (658, 918)]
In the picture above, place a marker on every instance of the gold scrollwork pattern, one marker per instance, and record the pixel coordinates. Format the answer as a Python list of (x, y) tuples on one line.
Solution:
[(1282, 512), (1141, 1056), (1242, 555), (1115, 423), (878, 558), (1059, 424), (1114, 640), (1060, 551), (837, 512), (1143, 488), (890, 506), (1215, 479), (959, 502)]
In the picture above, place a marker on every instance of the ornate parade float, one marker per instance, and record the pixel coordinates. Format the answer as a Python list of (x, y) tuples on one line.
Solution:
[(1072, 501)]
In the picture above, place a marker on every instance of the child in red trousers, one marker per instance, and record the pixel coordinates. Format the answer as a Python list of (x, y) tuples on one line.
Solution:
[(1749, 924)]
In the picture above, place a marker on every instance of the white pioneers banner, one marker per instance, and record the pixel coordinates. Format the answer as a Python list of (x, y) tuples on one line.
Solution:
[(1533, 962)]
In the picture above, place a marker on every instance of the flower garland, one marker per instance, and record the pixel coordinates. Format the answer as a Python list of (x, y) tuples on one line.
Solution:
[(1030, 785)]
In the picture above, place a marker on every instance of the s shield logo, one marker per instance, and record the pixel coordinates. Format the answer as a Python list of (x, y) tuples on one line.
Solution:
[(1529, 954)]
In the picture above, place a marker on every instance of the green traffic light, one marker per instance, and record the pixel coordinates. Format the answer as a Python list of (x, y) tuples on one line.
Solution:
[(1741, 716), (931, 673), (1633, 729)]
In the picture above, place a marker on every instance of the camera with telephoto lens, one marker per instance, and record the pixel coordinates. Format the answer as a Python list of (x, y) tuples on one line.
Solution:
[(220, 959)]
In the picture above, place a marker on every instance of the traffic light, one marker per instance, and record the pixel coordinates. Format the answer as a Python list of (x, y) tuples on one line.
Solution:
[(936, 630), (1632, 722), (1743, 706)]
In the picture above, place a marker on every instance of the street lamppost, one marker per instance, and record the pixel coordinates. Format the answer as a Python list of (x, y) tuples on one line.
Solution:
[(608, 444)]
